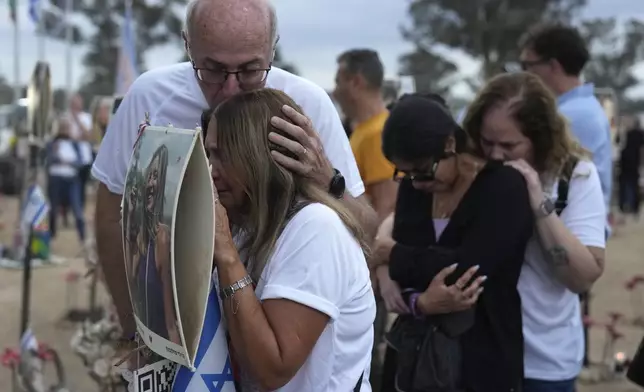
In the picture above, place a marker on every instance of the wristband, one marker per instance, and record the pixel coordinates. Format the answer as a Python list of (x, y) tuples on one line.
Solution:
[(413, 299)]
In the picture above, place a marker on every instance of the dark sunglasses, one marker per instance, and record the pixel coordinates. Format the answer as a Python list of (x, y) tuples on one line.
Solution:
[(422, 175)]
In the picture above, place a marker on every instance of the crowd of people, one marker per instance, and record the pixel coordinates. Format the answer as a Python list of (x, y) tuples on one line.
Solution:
[(480, 236)]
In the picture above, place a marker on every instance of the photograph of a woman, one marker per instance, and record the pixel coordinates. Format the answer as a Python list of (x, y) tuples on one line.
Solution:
[(148, 248)]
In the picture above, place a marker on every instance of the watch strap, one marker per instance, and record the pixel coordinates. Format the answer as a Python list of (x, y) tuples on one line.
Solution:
[(229, 291)]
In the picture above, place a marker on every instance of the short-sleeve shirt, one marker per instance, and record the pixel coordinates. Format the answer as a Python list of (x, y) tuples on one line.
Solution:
[(171, 95), (552, 326), (84, 147), (366, 143), (318, 263)]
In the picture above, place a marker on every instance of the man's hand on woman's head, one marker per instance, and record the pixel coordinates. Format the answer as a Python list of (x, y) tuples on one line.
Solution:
[(305, 144), (440, 298)]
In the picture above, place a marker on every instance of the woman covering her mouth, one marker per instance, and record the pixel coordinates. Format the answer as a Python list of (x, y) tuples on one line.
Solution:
[(294, 283)]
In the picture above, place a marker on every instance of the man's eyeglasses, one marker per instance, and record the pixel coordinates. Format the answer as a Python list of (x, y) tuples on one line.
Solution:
[(245, 77)]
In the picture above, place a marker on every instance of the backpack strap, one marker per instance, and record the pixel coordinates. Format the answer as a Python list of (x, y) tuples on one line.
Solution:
[(564, 184), (359, 383)]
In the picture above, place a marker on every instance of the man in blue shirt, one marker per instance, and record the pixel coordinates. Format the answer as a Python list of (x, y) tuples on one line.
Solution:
[(558, 54)]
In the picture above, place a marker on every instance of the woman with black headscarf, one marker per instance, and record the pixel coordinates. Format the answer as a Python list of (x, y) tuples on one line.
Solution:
[(459, 222)]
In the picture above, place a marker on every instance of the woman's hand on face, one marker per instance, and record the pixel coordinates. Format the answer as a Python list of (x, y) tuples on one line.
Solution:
[(225, 250), (440, 298), (532, 178)]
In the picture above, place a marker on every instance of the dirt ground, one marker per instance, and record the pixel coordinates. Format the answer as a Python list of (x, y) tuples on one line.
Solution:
[(49, 293)]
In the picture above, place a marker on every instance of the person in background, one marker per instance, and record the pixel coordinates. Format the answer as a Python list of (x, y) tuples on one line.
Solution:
[(515, 119), (557, 54), (630, 160), (358, 90), (63, 162), (100, 117), (81, 131)]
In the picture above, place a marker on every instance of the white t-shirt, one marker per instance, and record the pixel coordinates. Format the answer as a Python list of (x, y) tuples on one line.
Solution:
[(67, 157), (318, 263), (171, 95), (75, 132), (552, 326)]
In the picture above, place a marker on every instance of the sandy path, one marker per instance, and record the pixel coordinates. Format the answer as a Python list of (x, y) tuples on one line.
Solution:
[(49, 290)]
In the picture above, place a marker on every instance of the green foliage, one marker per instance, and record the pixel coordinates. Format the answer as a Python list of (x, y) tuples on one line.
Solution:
[(487, 30), (614, 55), (154, 23)]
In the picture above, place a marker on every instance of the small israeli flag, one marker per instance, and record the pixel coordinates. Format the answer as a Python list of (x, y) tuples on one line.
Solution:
[(36, 207), (28, 341), (213, 367)]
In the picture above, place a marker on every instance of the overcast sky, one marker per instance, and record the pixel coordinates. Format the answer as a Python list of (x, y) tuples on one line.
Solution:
[(313, 33)]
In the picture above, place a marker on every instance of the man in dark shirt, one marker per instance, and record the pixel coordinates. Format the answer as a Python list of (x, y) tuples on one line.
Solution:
[(629, 169)]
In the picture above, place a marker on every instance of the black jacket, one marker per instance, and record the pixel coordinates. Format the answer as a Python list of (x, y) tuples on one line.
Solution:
[(490, 228)]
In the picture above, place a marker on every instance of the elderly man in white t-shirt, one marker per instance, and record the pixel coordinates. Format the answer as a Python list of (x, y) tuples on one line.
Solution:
[(229, 47), (80, 130)]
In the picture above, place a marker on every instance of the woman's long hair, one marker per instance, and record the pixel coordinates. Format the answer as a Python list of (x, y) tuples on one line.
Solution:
[(534, 108), (152, 220), (243, 123)]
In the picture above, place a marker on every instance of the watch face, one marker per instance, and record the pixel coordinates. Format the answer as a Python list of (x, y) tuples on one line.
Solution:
[(338, 185), (547, 207)]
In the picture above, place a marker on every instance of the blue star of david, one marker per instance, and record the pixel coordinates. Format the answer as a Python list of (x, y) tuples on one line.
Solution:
[(216, 382)]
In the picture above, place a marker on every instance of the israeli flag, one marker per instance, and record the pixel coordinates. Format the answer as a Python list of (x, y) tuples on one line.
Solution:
[(213, 368), (35, 11), (36, 207), (28, 341)]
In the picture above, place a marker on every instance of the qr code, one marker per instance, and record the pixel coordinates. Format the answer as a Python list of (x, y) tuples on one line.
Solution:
[(157, 377)]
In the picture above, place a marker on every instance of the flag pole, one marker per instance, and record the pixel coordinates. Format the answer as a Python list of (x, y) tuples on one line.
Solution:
[(69, 38), (41, 32), (17, 92)]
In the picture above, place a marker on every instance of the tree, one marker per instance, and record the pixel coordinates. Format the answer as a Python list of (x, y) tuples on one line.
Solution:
[(154, 23), (431, 71), (6, 91), (487, 30), (54, 23), (613, 57)]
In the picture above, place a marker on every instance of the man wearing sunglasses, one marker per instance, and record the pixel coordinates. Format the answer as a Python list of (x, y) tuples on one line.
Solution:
[(231, 44)]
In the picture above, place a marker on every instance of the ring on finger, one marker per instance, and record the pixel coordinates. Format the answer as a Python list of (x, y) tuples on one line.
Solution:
[(304, 151)]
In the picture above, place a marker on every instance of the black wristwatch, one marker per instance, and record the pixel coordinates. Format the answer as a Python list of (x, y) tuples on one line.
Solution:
[(546, 208), (337, 185)]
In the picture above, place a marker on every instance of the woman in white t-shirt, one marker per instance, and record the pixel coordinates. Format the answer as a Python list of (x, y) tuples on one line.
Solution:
[(515, 119), (307, 325), (64, 188)]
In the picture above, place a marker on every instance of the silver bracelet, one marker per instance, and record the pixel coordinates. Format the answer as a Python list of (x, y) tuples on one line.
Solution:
[(229, 291)]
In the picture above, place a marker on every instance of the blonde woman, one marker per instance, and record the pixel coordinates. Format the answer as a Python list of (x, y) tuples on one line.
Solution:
[(515, 119), (294, 284)]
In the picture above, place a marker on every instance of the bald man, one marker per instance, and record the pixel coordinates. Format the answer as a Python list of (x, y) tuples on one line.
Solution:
[(231, 44)]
